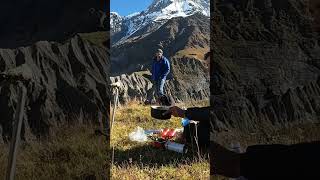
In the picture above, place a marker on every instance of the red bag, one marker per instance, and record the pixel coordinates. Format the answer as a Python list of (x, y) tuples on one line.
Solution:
[(168, 133)]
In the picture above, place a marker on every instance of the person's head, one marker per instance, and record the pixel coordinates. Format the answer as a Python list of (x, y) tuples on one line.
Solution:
[(159, 54)]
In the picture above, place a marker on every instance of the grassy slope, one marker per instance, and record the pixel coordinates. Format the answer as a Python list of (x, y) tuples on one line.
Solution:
[(197, 53), (140, 160), (75, 153)]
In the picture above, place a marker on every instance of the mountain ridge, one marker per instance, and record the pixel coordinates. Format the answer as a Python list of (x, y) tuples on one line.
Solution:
[(66, 82), (158, 13)]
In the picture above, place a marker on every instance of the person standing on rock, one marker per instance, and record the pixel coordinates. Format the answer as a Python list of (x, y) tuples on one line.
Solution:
[(160, 70)]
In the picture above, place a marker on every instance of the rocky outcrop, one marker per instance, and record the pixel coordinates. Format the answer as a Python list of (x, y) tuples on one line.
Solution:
[(65, 83), (267, 53), (190, 82)]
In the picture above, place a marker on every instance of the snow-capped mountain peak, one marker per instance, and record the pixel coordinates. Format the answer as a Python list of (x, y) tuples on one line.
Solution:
[(167, 9), (159, 12)]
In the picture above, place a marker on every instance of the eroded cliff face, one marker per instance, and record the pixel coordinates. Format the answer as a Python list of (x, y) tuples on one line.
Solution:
[(65, 83), (190, 82), (267, 53)]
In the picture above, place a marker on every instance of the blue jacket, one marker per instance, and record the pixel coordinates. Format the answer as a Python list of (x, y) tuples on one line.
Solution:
[(160, 69)]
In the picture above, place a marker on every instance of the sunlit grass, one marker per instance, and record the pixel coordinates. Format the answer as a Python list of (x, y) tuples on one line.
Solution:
[(133, 160), (197, 53)]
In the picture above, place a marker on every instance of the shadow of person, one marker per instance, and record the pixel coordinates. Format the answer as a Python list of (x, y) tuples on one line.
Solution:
[(147, 155)]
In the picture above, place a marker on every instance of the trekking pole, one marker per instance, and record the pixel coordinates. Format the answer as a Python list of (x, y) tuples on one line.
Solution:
[(14, 143), (115, 86), (196, 137)]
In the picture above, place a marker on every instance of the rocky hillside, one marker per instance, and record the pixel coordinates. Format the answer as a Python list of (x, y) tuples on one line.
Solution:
[(181, 28), (178, 34), (59, 51), (66, 82), (186, 85), (184, 40), (267, 53)]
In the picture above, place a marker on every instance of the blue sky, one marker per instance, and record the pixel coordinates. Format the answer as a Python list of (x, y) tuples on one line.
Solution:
[(126, 7)]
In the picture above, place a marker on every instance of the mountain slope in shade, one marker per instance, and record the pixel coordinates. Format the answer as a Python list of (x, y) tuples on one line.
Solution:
[(158, 13), (267, 53)]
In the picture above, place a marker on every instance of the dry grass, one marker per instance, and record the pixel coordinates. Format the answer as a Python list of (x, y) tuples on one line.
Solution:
[(75, 153), (97, 38), (197, 53), (190, 170), (134, 160)]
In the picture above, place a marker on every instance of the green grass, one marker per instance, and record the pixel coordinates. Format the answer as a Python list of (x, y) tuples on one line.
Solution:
[(133, 160)]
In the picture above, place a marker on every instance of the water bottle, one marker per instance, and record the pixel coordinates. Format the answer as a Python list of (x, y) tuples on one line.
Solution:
[(173, 146), (185, 121)]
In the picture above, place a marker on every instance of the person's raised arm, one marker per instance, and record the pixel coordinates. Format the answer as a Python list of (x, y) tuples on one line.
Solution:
[(200, 114)]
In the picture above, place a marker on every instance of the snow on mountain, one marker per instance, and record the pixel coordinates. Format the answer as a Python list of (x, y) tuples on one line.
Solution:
[(131, 15), (115, 22), (159, 12), (167, 9)]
